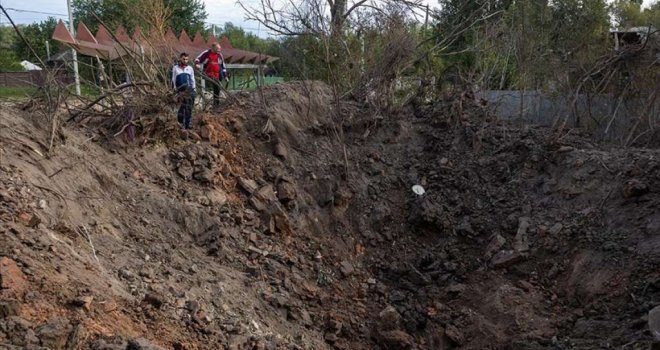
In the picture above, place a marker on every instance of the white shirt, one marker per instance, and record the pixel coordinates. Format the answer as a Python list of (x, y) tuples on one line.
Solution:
[(176, 70)]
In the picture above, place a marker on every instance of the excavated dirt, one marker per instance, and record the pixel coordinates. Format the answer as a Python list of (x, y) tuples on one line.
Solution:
[(287, 221)]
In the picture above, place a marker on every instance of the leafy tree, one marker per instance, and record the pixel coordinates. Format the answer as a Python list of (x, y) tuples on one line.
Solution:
[(179, 14), (629, 13), (37, 34)]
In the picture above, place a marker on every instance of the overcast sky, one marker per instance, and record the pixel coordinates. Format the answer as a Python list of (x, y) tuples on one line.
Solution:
[(220, 12)]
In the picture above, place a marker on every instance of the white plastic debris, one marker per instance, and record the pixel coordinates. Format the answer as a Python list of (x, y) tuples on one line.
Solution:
[(419, 190)]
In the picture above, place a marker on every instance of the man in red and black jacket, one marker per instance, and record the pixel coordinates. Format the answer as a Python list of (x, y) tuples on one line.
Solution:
[(214, 69)]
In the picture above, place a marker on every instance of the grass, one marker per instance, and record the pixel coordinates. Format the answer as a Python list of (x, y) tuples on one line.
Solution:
[(249, 83), (14, 93)]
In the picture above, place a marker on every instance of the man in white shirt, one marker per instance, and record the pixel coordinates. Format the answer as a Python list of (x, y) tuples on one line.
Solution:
[(183, 81)]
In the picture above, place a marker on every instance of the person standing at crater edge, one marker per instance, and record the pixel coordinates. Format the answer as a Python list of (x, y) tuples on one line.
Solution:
[(214, 69), (183, 81)]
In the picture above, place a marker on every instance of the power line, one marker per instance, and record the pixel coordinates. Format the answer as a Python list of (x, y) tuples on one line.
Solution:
[(39, 12)]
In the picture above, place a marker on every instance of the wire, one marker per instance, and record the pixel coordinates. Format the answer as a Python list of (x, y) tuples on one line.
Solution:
[(39, 12)]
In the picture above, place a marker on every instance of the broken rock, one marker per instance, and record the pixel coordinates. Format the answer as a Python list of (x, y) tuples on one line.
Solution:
[(396, 340), (634, 188), (506, 258), (12, 279), (286, 192), (248, 185), (389, 319), (495, 245), (54, 333), (141, 343), (654, 322), (346, 268)]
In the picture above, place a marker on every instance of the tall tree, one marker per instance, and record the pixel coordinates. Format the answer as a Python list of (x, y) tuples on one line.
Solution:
[(37, 34), (176, 14)]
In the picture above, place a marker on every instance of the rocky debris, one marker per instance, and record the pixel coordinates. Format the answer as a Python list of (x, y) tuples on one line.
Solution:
[(654, 322), (18, 331), (520, 243), (185, 169), (142, 343), (217, 197), (555, 229), (54, 334), (263, 198), (634, 188), (12, 280), (154, 299), (496, 243), (396, 339), (346, 268), (286, 192), (84, 302), (10, 307), (29, 220), (389, 319), (281, 150), (248, 185), (506, 258), (454, 334)]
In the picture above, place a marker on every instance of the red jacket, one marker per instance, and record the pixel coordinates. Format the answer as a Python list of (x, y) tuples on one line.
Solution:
[(214, 64)]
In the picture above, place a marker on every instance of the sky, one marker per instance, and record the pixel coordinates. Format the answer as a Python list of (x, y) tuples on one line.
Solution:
[(220, 12)]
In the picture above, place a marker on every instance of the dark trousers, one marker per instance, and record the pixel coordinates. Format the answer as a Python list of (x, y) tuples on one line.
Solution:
[(184, 116), (215, 84)]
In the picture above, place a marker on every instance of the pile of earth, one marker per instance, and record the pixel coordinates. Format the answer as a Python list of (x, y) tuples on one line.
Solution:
[(287, 221)]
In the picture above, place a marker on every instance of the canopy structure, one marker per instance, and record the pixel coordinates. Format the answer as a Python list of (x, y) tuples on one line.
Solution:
[(111, 47)]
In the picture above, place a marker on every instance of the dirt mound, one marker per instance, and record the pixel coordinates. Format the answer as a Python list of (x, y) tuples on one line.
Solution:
[(288, 221)]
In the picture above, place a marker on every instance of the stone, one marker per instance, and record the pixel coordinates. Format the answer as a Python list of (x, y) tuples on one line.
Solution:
[(454, 334), (185, 169), (520, 243), (8, 308), (205, 176), (266, 194), (281, 150), (396, 339), (217, 197), (331, 337), (555, 229), (248, 185), (634, 188), (54, 333), (154, 300), (84, 301), (346, 268), (654, 322), (286, 192), (142, 343), (389, 319), (506, 258), (12, 279), (495, 245), (464, 227)]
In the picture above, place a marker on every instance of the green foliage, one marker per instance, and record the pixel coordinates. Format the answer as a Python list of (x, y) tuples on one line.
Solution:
[(520, 44), (37, 34), (186, 14), (12, 93), (9, 62), (628, 14)]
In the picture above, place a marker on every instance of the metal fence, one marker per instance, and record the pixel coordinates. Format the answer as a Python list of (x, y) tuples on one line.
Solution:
[(608, 116)]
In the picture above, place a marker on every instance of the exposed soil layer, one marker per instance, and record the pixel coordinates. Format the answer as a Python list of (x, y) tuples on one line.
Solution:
[(287, 221)]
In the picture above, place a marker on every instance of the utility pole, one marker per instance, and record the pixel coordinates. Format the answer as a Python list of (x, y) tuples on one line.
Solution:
[(47, 50), (73, 52), (213, 26)]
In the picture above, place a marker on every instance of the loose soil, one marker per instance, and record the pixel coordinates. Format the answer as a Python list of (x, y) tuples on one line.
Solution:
[(288, 221)]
